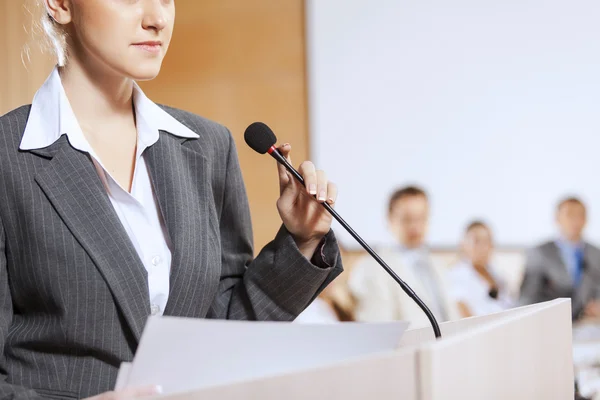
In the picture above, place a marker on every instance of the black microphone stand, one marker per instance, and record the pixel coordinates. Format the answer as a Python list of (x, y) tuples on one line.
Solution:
[(407, 289)]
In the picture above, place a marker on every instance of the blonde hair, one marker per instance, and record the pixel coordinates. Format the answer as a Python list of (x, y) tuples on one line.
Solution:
[(46, 32)]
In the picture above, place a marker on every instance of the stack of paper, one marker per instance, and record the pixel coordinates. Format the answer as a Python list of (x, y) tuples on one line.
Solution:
[(183, 354)]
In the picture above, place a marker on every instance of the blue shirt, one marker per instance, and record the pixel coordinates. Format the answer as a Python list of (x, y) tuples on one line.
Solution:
[(572, 255)]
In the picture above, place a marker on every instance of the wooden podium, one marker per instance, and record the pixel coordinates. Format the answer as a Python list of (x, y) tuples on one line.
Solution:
[(524, 353)]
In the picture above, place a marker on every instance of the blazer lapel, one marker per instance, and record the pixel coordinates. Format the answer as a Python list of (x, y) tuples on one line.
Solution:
[(180, 178), (72, 185), (578, 294), (587, 287), (561, 271)]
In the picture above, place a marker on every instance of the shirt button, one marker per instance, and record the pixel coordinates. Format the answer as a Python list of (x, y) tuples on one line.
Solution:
[(156, 260), (154, 309)]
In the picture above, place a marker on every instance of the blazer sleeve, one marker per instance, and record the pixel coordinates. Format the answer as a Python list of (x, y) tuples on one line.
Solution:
[(280, 282), (8, 391)]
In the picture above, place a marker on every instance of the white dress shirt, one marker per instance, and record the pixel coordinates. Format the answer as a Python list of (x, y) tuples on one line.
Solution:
[(419, 263), (52, 116), (379, 298), (468, 287)]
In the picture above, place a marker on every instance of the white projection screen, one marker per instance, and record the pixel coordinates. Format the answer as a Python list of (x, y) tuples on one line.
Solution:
[(492, 106)]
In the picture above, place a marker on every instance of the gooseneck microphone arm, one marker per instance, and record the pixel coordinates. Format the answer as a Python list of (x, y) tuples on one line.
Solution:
[(407, 289)]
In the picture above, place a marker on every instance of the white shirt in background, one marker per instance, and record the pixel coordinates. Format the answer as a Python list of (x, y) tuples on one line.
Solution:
[(51, 116), (468, 287), (379, 297), (418, 261)]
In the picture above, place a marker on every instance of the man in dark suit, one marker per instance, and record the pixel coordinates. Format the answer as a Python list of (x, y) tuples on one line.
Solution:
[(566, 267)]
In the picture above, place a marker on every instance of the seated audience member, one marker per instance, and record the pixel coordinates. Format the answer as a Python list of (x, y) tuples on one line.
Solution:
[(565, 267), (327, 308), (474, 285), (377, 296)]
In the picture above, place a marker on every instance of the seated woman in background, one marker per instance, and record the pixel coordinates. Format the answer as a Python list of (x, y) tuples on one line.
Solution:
[(474, 285)]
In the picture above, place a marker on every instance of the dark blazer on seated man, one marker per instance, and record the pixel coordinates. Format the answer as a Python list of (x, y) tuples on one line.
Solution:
[(547, 277), (566, 267)]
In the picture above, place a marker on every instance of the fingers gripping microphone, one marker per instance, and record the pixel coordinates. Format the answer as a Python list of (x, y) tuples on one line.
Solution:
[(262, 139)]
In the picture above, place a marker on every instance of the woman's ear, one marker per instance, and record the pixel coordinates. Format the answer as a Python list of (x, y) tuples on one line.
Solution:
[(59, 10)]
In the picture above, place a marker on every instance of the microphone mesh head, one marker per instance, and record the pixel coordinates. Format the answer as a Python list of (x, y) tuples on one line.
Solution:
[(259, 137)]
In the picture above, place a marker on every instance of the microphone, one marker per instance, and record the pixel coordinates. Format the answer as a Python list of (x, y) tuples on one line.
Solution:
[(262, 140)]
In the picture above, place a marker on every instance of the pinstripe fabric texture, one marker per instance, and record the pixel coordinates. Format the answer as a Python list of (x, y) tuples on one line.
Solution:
[(73, 291)]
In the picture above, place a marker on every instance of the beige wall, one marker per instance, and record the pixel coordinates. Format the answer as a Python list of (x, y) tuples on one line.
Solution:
[(236, 62), (233, 61)]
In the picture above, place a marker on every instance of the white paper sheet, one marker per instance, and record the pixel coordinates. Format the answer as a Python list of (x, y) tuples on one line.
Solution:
[(189, 354), (123, 376)]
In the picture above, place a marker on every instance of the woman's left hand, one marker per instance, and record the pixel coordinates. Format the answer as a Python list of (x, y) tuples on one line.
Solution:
[(302, 214)]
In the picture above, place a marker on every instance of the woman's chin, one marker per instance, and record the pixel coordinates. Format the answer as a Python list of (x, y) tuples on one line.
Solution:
[(144, 71)]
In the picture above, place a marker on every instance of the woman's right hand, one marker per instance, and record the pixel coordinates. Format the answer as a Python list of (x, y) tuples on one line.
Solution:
[(128, 394)]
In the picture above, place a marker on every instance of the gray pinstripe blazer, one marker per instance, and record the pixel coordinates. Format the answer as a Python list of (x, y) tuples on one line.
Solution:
[(73, 291)]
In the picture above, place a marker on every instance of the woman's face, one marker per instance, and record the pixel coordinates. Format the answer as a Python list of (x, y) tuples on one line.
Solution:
[(126, 37), (478, 245)]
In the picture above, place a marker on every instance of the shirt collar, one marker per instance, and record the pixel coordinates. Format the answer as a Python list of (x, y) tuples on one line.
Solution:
[(565, 244), (151, 118), (51, 116), (413, 250)]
